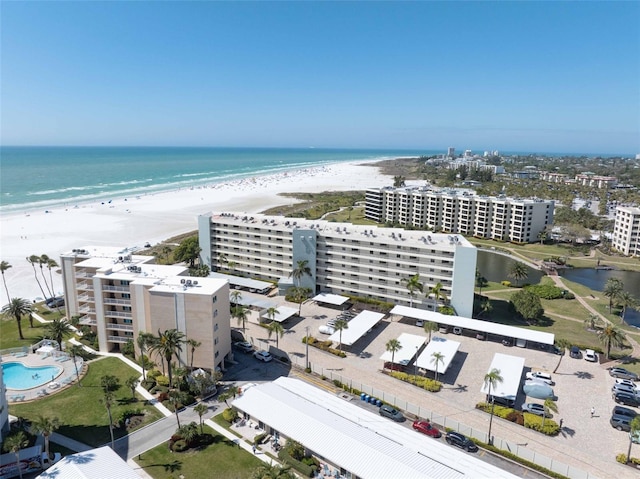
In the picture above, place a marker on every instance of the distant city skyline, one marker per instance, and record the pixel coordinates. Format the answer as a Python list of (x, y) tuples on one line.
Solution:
[(546, 77)]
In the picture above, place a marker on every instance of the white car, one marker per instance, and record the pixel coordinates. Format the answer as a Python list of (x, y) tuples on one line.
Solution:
[(541, 377), (591, 356), (626, 382), (325, 329), (264, 356)]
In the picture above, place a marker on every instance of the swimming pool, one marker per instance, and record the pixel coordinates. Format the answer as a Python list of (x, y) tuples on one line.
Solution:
[(18, 376)]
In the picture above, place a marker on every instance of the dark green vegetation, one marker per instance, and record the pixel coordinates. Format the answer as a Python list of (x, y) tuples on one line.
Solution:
[(81, 413), (314, 205)]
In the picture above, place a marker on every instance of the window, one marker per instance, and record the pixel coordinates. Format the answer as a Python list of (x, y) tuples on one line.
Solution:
[(215, 298), (215, 313), (128, 321), (126, 296), (215, 327), (215, 341), (217, 354)]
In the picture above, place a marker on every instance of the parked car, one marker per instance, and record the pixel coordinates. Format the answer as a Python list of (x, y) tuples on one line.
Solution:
[(425, 427), (623, 388), (626, 382), (390, 412), (558, 351), (264, 356), (456, 439), (55, 302), (623, 373), (502, 401), (590, 355), (540, 376), (326, 329), (621, 418), (574, 352), (537, 409), (244, 346), (626, 399)]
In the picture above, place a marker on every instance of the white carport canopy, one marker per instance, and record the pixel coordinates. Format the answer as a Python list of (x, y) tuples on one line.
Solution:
[(358, 326), (334, 299), (476, 325), (510, 368), (247, 299), (410, 343), (100, 462), (243, 282), (446, 347), (356, 439), (283, 313)]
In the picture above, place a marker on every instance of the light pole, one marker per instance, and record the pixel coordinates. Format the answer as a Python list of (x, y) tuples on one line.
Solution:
[(415, 367), (306, 342)]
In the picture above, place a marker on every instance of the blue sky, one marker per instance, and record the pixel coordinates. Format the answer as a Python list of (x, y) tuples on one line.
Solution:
[(511, 76)]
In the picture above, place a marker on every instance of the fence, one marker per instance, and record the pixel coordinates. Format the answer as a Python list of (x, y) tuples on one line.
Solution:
[(517, 449)]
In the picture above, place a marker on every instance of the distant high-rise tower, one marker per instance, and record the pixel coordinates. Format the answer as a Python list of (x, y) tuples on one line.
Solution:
[(451, 152)]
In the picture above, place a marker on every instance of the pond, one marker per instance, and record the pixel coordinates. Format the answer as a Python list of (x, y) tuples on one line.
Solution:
[(495, 267)]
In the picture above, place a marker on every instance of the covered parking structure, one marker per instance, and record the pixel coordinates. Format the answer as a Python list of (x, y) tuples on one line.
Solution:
[(282, 314), (510, 368), (251, 285), (329, 299), (411, 344), (446, 347), (358, 327), (468, 324), (353, 440)]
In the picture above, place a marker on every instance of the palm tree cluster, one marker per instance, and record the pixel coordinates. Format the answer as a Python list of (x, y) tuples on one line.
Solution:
[(614, 290), (413, 285), (42, 261)]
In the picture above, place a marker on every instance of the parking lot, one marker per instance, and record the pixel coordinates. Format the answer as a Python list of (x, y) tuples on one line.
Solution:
[(587, 443)]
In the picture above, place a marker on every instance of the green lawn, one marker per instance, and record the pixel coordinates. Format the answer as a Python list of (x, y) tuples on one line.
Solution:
[(81, 413), (9, 337), (223, 459)]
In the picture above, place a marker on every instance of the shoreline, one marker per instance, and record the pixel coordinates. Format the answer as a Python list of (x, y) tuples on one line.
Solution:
[(152, 218)]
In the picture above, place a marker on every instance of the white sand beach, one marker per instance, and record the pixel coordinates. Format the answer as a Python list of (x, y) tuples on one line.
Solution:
[(134, 221)]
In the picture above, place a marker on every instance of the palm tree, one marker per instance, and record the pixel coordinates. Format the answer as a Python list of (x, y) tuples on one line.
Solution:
[(51, 263), (33, 259), (393, 345), (549, 405), (45, 426), (176, 398), (518, 271), (485, 307), (429, 327), (239, 311), (272, 471), (144, 341), (633, 434), (169, 345), (201, 408), (272, 312), (609, 336), (188, 432), (236, 296), (612, 289), (42, 260), (76, 350), (413, 284), (194, 344), (109, 383), (108, 400), (132, 383), (398, 181), (58, 329), (437, 292), (339, 325), (275, 327), (14, 443), (626, 300), (4, 266), (481, 281), (225, 396), (18, 308), (592, 321), (491, 380), (298, 295), (437, 357), (301, 270)]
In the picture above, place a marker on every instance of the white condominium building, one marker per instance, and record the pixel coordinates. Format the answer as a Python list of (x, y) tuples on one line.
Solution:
[(120, 294), (499, 218), (343, 258), (626, 231)]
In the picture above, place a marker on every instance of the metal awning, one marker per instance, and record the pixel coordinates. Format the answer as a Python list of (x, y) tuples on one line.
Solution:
[(334, 299), (358, 326)]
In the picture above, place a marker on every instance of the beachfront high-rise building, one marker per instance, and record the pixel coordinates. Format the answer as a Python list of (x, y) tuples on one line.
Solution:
[(499, 218), (345, 259), (451, 152), (120, 294), (626, 231)]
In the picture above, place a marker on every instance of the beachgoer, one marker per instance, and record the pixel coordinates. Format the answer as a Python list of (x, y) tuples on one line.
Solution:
[(561, 421), (593, 411), (254, 448)]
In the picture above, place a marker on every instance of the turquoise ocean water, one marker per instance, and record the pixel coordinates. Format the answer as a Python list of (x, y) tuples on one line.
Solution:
[(44, 177)]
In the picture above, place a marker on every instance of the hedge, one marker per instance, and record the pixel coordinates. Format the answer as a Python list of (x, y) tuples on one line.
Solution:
[(430, 385), (229, 415), (531, 421), (301, 467), (503, 412), (324, 345), (546, 291), (622, 458)]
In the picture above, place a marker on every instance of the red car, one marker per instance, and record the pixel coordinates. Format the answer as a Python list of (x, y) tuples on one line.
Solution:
[(425, 427)]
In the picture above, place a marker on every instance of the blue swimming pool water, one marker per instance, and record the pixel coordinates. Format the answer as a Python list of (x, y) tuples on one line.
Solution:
[(18, 376)]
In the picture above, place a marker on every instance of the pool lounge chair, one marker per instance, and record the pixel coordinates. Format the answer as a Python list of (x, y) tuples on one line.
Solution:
[(19, 355)]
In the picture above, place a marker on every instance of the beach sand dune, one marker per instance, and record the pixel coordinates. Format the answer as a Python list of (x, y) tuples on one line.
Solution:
[(134, 221)]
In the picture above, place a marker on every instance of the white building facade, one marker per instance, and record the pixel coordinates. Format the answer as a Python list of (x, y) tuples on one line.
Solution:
[(626, 231), (346, 259), (120, 294), (499, 218)]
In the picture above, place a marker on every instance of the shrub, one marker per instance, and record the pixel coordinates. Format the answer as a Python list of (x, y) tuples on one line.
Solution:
[(506, 283), (427, 384), (534, 422), (162, 380), (148, 384), (163, 396), (307, 370), (301, 467), (569, 296), (258, 439), (546, 291), (229, 415), (154, 373), (622, 459), (295, 450), (180, 446)]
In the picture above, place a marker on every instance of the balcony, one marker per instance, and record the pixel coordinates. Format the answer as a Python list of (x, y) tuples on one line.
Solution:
[(123, 289), (84, 286), (125, 302), (86, 309), (119, 339), (87, 321), (119, 327), (118, 314)]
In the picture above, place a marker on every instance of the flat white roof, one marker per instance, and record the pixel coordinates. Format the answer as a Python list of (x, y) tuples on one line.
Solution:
[(254, 300), (410, 343), (243, 282), (510, 368), (91, 464), (284, 313), (362, 442), (446, 347), (476, 325), (328, 298), (358, 326)]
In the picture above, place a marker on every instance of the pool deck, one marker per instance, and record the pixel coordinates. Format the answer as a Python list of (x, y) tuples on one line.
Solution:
[(65, 377)]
